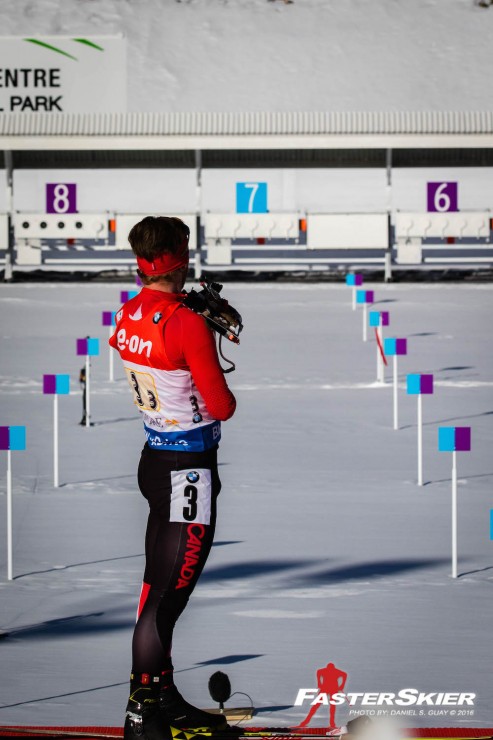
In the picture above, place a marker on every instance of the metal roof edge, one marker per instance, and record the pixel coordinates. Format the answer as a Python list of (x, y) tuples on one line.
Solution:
[(214, 124)]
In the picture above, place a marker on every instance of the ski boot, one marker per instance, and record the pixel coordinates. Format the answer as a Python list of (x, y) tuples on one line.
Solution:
[(144, 719), (181, 715)]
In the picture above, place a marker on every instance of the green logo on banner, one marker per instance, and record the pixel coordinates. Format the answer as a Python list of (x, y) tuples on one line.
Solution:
[(43, 44)]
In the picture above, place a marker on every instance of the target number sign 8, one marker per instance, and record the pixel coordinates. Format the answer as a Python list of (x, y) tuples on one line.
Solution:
[(61, 197)]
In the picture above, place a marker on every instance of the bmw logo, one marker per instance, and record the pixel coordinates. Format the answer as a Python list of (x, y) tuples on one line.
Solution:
[(197, 418), (193, 476), (157, 317)]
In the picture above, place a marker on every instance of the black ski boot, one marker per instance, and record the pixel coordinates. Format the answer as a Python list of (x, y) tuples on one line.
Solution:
[(184, 716), (144, 719)]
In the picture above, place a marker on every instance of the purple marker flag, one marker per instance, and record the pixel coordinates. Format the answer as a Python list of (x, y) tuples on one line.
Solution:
[(88, 346), (354, 279), (365, 296), (454, 439), (4, 438), (108, 318), (11, 438), (419, 385), (56, 384), (392, 346), (379, 318), (126, 295)]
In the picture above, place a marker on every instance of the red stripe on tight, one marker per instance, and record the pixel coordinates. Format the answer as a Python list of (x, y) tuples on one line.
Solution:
[(382, 353), (144, 593)]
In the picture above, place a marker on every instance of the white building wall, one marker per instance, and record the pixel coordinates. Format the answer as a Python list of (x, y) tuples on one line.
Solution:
[(289, 190), (122, 190)]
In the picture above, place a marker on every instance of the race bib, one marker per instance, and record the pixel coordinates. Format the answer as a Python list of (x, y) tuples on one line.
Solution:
[(191, 496)]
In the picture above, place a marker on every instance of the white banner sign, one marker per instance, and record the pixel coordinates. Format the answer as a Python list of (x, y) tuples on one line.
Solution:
[(60, 74)]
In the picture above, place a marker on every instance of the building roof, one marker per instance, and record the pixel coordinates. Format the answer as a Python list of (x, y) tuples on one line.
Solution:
[(246, 130)]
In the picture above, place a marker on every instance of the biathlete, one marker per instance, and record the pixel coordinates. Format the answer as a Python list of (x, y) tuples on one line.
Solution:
[(171, 362)]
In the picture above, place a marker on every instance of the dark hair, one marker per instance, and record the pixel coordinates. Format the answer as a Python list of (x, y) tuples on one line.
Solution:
[(156, 235)]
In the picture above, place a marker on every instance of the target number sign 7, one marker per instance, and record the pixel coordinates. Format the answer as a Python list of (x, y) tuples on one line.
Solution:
[(251, 197)]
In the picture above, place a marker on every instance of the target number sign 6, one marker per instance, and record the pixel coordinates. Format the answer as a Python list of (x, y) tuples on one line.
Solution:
[(442, 197)]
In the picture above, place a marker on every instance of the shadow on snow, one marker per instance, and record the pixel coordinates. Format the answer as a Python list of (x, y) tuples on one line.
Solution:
[(225, 660), (61, 568), (252, 568), (377, 569), (68, 627)]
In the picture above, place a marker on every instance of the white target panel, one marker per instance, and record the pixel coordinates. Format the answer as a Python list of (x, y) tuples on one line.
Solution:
[(442, 225), (61, 226), (251, 225), (347, 231)]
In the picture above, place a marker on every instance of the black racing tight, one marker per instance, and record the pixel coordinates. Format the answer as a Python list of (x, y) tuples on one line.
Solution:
[(179, 537)]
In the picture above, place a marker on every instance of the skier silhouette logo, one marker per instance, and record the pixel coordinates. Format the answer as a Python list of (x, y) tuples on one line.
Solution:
[(330, 680)]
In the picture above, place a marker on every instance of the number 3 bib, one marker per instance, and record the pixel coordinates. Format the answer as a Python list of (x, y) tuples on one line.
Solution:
[(191, 496)]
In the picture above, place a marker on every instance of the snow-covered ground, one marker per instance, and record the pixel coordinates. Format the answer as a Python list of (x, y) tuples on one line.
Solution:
[(326, 549), (311, 55)]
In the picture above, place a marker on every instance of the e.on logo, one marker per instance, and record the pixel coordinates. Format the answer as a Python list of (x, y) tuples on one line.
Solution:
[(135, 344)]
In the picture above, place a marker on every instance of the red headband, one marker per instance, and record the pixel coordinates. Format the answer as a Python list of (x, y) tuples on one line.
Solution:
[(165, 262)]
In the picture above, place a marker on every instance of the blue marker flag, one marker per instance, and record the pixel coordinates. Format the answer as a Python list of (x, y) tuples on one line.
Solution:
[(56, 384), (12, 438)]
